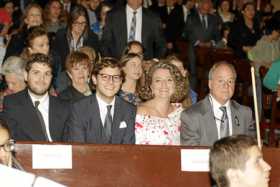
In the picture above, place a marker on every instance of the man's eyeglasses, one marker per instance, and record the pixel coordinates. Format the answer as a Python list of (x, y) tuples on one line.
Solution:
[(9, 146), (114, 78)]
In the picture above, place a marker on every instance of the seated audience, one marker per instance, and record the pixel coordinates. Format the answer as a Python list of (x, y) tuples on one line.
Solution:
[(54, 16), (224, 11), (31, 17), (78, 68), (134, 47), (37, 41), (237, 161), (76, 35), (103, 118), (191, 96), (33, 114), (157, 119), (6, 145), (13, 71), (176, 22), (98, 26), (217, 115), (225, 30), (272, 77), (6, 21), (201, 30), (132, 68), (245, 31)]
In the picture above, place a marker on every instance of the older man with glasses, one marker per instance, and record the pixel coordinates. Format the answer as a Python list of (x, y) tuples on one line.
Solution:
[(103, 117), (217, 115)]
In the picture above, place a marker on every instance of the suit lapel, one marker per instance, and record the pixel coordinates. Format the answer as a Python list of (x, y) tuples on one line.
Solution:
[(32, 124), (122, 25), (96, 123), (209, 121), (236, 127), (145, 23), (117, 117)]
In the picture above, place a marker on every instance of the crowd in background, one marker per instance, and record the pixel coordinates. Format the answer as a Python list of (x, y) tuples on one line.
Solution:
[(79, 36)]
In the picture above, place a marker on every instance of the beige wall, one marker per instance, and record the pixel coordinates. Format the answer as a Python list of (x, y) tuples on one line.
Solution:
[(276, 4)]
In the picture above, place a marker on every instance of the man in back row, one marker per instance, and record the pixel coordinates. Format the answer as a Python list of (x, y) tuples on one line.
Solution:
[(237, 161), (216, 116)]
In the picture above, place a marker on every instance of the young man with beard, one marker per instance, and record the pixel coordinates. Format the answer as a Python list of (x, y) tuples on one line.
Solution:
[(33, 114), (103, 118)]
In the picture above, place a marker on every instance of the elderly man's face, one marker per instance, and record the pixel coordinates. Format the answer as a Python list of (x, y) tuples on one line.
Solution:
[(222, 84)]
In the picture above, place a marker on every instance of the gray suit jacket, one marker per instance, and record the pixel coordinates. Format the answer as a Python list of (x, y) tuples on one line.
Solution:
[(199, 126), (85, 125)]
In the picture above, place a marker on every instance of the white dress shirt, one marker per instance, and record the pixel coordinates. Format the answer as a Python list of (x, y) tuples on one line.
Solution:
[(129, 16), (218, 114), (186, 13), (44, 109), (102, 105)]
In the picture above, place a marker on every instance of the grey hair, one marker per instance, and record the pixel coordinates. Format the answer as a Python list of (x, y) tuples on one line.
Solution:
[(218, 64), (15, 65)]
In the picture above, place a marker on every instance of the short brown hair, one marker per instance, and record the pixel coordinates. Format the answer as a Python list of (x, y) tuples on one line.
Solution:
[(77, 57), (229, 152), (106, 62), (178, 96), (38, 58)]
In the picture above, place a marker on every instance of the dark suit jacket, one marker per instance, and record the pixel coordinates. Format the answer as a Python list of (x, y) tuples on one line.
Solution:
[(71, 94), (114, 38), (85, 124), (175, 23), (194, 30), (24, 122), (61, 45), (199, 126)]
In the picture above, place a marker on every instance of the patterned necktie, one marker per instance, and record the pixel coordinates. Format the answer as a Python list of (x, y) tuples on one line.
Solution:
[(203, 17), (41, 119), (132, 30), (224, 127), (108, 124)]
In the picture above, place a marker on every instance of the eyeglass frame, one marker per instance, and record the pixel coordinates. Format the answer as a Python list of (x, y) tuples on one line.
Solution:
[(9, 146), (110, 77)]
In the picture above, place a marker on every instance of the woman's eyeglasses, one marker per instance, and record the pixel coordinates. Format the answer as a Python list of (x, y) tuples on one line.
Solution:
[(9, 146)]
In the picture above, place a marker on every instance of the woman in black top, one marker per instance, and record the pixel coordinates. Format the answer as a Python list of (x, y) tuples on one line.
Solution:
[(245, 32)]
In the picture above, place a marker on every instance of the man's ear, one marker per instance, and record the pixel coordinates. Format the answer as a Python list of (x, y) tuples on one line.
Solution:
[(233, 175)]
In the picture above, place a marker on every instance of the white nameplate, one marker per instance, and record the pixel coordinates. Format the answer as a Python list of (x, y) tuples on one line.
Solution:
[(52, 156), (195, 160)]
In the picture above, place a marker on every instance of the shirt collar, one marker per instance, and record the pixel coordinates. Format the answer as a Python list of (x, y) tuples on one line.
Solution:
[(129, 9), (103, 103), (42, 99), (216, 104)]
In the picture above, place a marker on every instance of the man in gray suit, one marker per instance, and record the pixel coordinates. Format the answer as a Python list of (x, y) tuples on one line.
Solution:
[(216, 116), (103, 118)]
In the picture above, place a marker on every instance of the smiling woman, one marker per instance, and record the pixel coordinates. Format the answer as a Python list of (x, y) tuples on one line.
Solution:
[(157, 119)]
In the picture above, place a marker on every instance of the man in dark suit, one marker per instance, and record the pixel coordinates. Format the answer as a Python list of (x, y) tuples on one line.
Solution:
[(103, 117), (176, 22), (216, 116), (130, 23), (201, 30), (32, 114)]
